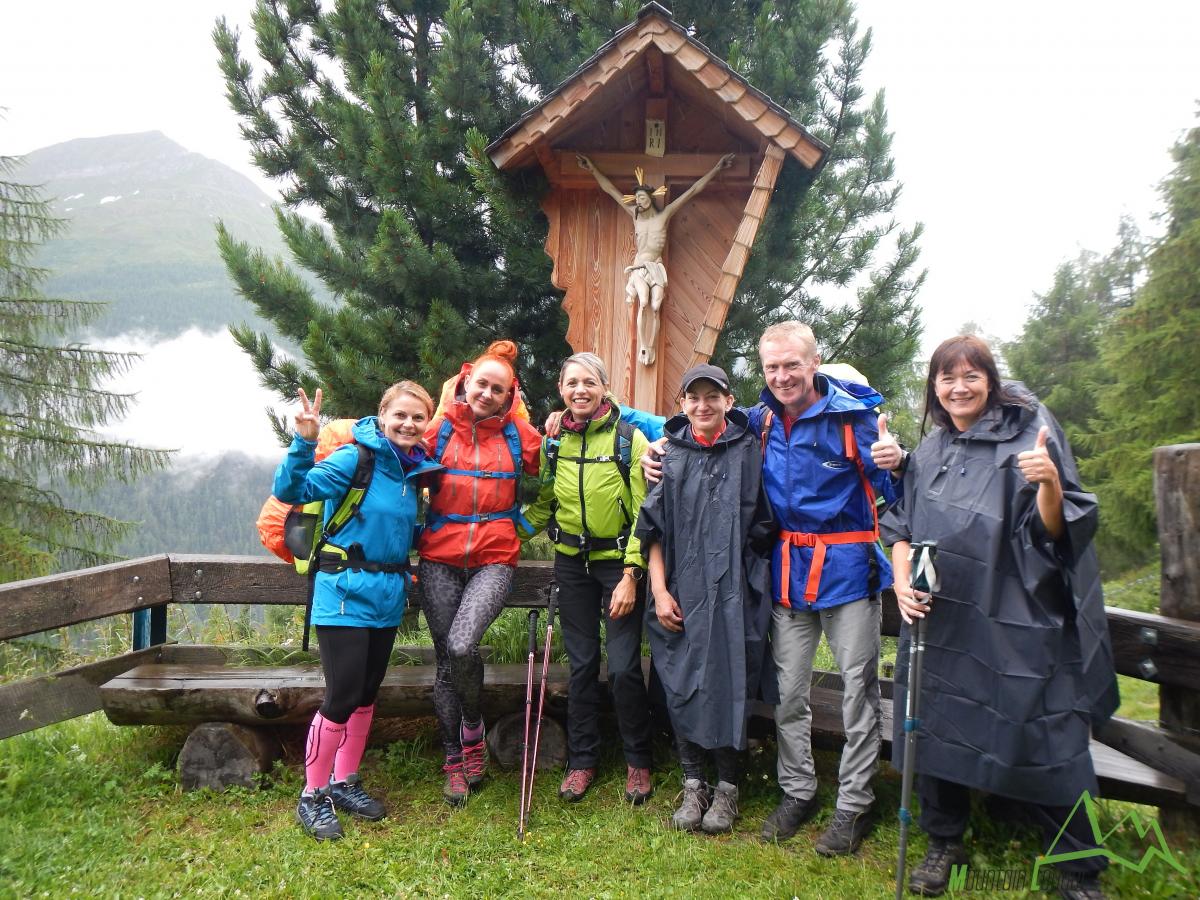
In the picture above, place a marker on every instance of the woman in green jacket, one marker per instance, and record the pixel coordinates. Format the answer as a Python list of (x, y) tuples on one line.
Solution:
[(588, 503)]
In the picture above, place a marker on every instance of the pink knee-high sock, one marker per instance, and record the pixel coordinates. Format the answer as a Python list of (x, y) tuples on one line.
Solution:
[(324, 738), (350, 753)]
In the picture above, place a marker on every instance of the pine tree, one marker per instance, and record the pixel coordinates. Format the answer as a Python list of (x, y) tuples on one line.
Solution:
[(1152, 354), (1057, 354), (51, 405), (377, 115)]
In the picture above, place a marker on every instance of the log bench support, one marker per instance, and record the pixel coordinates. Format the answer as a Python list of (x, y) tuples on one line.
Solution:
[(218, 755)]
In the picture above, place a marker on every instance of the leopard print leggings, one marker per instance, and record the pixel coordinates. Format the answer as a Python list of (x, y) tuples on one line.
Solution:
[(459, 605)]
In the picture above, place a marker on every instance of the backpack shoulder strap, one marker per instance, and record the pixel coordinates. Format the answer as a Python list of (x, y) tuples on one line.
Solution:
[(550, 446), (623, 447), (360, 481), (765, 432), (850, 450), (513, 438), (443, 436)]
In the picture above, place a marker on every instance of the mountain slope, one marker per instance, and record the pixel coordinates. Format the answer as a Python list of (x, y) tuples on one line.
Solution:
[(142, 211)]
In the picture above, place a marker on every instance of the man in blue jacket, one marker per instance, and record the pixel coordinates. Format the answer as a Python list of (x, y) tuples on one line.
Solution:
[(825, 462)]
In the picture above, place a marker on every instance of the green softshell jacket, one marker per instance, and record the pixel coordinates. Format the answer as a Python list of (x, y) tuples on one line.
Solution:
[(592, 494)]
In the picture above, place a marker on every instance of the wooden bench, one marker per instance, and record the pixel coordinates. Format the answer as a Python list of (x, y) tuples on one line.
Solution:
[(190, 685)]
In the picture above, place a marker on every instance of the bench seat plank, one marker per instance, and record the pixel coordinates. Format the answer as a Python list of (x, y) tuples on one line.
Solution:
[(254, 695)]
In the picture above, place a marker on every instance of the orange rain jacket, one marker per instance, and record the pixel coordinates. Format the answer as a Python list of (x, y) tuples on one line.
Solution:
[(476, 446)]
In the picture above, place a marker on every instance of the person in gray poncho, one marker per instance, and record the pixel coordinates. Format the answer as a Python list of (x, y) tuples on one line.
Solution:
[(706, 529), (1017, 662)]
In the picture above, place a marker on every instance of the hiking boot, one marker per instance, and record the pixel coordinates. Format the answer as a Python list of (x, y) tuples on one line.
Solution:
[(845, 832), (575, 785), (350, 797), (456, 790), (785, 820), (690, 812), (931, 877), (474, 760), (638, 787), (724, 811), (316, 814), (1072, 886)]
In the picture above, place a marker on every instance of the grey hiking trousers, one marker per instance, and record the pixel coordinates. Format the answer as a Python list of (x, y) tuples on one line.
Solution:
[(852, 631)]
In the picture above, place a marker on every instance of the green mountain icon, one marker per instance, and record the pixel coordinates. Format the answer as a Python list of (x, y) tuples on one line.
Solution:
[(1147, 830)]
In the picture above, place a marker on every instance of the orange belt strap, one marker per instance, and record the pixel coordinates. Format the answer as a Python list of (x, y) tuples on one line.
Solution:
[(818, 542)]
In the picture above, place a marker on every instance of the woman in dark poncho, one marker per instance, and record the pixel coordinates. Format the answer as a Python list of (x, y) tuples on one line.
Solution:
[(707, 530), (1017, 663)]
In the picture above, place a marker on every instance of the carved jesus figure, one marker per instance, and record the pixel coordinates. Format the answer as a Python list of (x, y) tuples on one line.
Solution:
[(647, 276)]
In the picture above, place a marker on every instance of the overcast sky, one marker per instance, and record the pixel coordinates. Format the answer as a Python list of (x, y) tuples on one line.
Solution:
[(1023, 131)]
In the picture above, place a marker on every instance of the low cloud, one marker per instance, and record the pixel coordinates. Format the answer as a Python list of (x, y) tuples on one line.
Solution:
[(197, 393)]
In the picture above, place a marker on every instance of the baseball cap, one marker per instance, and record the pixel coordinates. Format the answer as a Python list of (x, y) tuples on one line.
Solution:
[(712, 373)]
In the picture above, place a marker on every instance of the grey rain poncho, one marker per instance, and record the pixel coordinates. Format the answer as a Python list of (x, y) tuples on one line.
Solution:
[(1018, 664), (718, 529)]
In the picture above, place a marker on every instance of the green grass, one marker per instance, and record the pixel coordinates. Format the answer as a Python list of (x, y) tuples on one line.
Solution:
[(93, 810)]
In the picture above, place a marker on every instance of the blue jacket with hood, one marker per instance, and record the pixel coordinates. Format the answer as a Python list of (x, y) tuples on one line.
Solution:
[(814, 488), (383, 526)]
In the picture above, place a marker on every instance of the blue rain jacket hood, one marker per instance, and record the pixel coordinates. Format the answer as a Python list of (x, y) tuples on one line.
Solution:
[(814, 488), (383, 526)]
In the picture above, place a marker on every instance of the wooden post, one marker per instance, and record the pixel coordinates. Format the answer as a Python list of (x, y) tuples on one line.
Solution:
[(1177, 495)]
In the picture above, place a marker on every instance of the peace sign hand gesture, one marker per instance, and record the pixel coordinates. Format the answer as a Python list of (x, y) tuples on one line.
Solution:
[(308, 420)]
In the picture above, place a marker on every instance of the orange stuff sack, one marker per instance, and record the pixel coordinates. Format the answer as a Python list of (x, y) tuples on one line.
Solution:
[(450, 392), (272, 517), (270, 528)]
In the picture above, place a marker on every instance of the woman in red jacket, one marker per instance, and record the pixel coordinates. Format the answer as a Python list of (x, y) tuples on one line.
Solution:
[(469, 547)]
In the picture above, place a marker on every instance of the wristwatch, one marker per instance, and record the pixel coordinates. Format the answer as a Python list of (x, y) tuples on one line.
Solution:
[(636, 572)]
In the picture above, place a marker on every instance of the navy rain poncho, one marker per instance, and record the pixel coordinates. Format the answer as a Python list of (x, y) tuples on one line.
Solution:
[(719, 530), (1017, 663)]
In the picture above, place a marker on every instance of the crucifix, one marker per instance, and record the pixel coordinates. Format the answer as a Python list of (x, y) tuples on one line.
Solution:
[(647, 275)]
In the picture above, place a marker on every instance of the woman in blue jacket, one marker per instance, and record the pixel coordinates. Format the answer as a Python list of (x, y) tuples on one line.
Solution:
[(360, 589)]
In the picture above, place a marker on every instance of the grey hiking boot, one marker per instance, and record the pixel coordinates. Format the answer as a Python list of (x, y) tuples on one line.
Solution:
[(350, 797), (785, 820), (690, 813), (724, 810), (845, 832), (930, 878), (316, 814)]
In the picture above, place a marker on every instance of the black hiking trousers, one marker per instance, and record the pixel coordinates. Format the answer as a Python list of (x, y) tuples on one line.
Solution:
[(584, 593)]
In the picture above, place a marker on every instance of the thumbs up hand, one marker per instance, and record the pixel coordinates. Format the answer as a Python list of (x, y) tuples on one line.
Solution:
[(1036, 464), (886, 451)]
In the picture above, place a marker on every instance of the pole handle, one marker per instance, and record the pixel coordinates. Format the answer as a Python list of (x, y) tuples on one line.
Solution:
[(533, 629)]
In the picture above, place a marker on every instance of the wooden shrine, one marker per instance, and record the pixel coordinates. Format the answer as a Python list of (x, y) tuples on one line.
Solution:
[(655, 102)]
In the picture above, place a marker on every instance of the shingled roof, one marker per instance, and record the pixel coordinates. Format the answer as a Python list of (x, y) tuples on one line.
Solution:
[(712, 83)]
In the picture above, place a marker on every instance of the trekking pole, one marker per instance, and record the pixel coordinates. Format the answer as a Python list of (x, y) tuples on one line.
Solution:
[(922, 577), (523, 811), (537, 734)]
